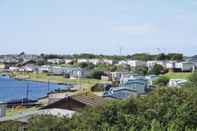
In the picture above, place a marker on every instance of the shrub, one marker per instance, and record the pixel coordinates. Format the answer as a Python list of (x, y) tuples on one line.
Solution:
[(193, 78), (162, 81)]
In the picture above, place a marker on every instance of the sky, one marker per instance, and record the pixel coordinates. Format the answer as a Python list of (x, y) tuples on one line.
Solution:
[(98, 26)]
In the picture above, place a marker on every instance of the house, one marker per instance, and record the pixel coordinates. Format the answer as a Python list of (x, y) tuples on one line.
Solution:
[(78, 73), (122, 62), (82, 60), (116, 76), (77, 102), (68, 61), (96, 61), (135, 63), (13, 68), (151, 64), (131, 86), (171, 65), (55, 61), (9, 60), (177, 82), (108, 61), (184, 66), (192, 59), (30, 68), (45, 68), (56, 70)]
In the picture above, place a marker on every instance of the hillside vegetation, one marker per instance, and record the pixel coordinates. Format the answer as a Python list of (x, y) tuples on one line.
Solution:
[(164, 109)]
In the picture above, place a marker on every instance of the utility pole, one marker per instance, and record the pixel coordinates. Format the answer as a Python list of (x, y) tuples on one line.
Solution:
[(27, 91), (48, 85), (120, 50)]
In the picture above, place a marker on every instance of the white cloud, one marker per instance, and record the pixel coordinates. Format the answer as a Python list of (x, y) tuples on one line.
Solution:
[(135, 29)]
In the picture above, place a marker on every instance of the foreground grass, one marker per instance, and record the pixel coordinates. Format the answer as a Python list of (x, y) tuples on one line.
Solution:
[(85, 83), (178, 75)]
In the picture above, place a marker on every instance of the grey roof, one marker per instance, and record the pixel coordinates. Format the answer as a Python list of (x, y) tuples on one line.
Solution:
[(25, 116)]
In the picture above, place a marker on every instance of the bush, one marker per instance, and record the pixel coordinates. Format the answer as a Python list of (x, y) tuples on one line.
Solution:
[(86, 65), (157, 70), (96, 74), (162, 81), (101, 87)]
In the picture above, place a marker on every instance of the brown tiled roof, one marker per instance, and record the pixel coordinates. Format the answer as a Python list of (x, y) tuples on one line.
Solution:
[(88, 99), (78, 101)]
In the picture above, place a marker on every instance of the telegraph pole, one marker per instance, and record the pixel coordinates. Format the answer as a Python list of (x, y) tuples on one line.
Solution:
[(27, 91), (120, 50), (48, 85)]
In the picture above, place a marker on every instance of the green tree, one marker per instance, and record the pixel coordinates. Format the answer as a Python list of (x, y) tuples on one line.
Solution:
[(175, 56), (157, 69), (142, 56), (161, 56), (85, 65), (141, 70)]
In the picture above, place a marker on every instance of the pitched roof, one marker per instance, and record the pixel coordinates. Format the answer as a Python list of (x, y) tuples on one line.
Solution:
[(88, 99), (76, 102)]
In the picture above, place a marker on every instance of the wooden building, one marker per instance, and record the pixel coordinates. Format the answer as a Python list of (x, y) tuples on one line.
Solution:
[(77, 102)]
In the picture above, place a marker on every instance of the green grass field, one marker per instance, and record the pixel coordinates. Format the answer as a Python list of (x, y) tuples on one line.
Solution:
[(178, 75), (84, 82)]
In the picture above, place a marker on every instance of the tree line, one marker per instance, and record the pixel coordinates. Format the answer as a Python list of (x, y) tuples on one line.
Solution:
[(137, 56)]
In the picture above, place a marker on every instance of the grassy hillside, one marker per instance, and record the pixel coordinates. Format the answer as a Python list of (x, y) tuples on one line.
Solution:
[(178, 75)]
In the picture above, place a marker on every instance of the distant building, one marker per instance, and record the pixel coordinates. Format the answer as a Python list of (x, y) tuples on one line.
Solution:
[(96, 61), (31, 68), (78, 73), (171, 65), (82, 60), (56, 70), (110, 62), (151, 64), (68, 61), (45, 68), (123, 62), (135, 63), (116, 76), (185, 66), (55, 61), (13, 68)]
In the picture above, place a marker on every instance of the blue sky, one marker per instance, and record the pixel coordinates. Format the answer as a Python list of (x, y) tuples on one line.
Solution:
[(98, 26)]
